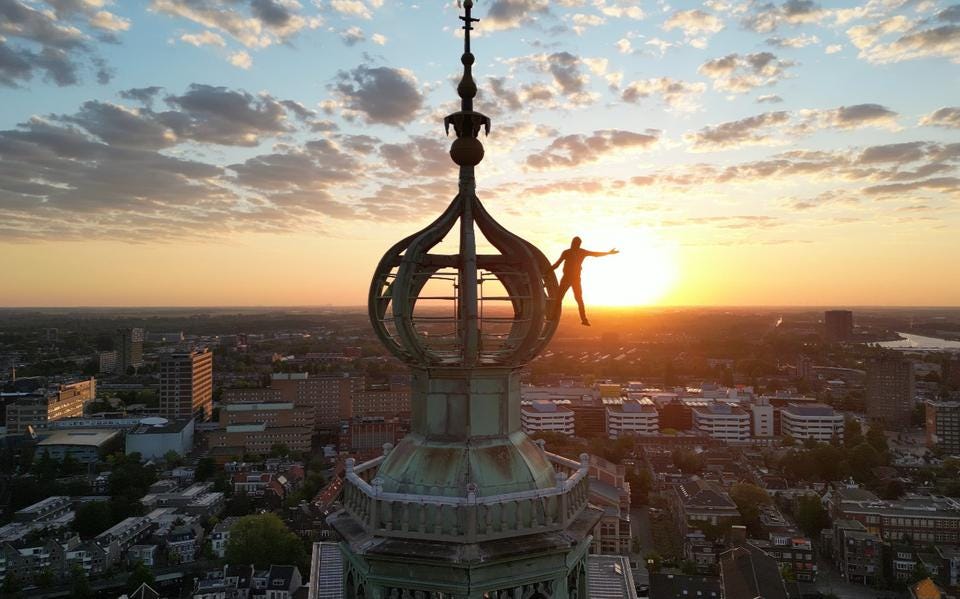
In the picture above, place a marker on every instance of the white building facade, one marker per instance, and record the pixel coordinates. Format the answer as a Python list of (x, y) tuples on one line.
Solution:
[(723, 421), (632, 417), (542, 415), (813, 421)]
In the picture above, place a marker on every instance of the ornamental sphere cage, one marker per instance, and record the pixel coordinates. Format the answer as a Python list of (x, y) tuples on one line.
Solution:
[(464, 309)]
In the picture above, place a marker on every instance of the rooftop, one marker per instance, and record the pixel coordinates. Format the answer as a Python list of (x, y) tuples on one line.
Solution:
[(813, 409), (86, 438), (610, 577)]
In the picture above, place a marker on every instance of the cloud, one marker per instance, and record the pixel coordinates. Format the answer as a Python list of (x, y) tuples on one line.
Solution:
[(678, 95), (833, 48), (207, 38), (569, 74), (581, 22), (948, 117), (510, 14), (379, 94), (741, 73), (379, 39), (53, 44), (420, 157), (783, 127), (240, 59), (257, 24), (798, 41), (619, 9), (695, 24), (575, 150), (897, 38), (769, 99), (352, 36), (356, 8), (765, 18)]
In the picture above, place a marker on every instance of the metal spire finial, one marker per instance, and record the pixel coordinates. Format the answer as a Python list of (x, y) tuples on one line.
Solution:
[(467, 149)]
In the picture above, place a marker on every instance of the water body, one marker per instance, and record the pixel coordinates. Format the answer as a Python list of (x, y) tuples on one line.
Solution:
[(919, 342)]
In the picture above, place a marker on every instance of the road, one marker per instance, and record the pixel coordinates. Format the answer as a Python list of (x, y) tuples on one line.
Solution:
[(640, 529)]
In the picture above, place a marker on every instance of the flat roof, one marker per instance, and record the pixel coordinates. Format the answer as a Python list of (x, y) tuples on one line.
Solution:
[(85, 437), (610, 577)]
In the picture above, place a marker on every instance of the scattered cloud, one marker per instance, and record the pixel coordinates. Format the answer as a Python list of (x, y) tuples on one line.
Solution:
[(259, 24), (738, 73), (510, 14), (696, 25), (356, 8), (948, 117), (768, 17), (240, 59), (378, 94), (677, 95), (352, 36), (798, 41), (900, 38), (769, 99), (207, 38), (574, 150)]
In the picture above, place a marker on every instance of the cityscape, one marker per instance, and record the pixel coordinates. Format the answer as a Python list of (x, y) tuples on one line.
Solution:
[(630, 332)]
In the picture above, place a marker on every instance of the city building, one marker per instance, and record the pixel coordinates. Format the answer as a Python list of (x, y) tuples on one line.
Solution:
[(632, 417), (129, 348), (920, 518), (811, 421), (699, 500), (610, 492), (108, 361), (84, 446), (543, 415), (890, 391), (220, 536), (152, 438), (367, 435), (675, 415), (722, 421), (330, 397), (857, 554), (252, 395), (466, 505), (943, 425), (257, 439), (838, 325), (271, 414), (610, 577), (186, 385), (590, 416), (762, 418), (748, 572), (680, 586), (36, 411)]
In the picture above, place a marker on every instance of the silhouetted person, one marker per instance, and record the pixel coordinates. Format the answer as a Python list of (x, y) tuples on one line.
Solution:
[(572, 264)]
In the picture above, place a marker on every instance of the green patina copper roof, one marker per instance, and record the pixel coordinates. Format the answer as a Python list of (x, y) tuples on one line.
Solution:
[(507, 464)]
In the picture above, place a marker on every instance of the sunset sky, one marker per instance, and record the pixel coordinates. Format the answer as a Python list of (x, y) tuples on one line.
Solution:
[(267, 152)]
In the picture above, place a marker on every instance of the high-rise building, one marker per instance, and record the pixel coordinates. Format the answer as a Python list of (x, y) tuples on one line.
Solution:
[(466, 505), (943, 425), (129, 349), (66, 400), (186, 385), (838, 325), (811, 421), (330, 397), (890, 391)]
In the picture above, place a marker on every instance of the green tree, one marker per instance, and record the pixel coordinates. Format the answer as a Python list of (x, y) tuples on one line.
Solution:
[(852, 432), (45, 578), (80, 587), (877, 439), (11, 585), (811, 516), (654, 561), (264, 539), (206, 468), (92, 518), (172, 458), (863, 459), (141, 574), (749, 498)]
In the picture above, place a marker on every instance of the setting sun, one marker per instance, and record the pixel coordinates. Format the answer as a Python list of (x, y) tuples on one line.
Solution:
[(642, 273)]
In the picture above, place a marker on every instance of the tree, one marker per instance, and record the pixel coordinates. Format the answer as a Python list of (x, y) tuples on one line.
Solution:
[(264, 539), (80, 588), (852, 432), (172, 458), (206, 468), (863, 459), (749, 498), (140, 575), (653, 561), (11, 585), (811, 516), (45, 578), (92, 518), (877, 439)]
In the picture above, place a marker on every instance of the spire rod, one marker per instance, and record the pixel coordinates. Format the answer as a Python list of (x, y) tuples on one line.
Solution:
[(468, 22)]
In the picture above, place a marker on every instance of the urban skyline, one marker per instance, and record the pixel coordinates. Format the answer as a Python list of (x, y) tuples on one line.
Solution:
[(738, 153)]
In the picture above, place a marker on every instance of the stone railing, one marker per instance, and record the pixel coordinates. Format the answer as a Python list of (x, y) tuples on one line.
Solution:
[(471, 518)]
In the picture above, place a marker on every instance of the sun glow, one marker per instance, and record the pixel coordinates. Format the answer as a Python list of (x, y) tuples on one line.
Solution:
[(642, 273)]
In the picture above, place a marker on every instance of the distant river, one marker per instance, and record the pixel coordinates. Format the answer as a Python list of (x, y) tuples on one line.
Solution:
[(911, 341)]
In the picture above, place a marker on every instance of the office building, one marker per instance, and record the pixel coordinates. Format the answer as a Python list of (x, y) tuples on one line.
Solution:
[(838, 325), (698, 500), (890, 391), (943, 425), (152, 438), (811, 421), (632, 418), (542, 415), (56, 403), (186, 385), (723, 422), (129, 347), (857, 553), (329, 397), (257, 439), (108, 362), (762, 418), (272, 414), (84, 446)]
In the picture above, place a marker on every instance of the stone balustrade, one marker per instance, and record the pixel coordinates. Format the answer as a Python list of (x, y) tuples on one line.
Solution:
[(468, 518)]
